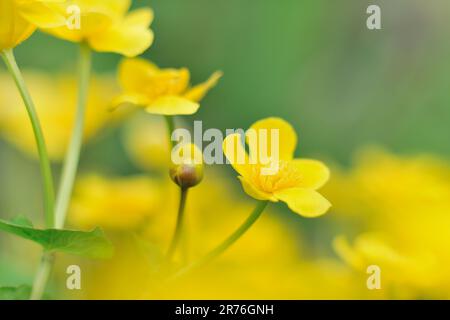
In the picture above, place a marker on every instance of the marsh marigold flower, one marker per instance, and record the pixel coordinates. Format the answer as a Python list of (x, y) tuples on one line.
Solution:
[(107, 26), (145, 141), (20, 18), (161, 91), (411, 268), (404, 200), (289, 274), (119, 203), (56, 114), (296, 180)]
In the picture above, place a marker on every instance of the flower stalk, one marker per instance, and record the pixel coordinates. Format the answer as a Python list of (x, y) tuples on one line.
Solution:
[(73, 153), (256, 213), (42, 276), (179, 226), (170, 128), (44, 162), (69, 171)]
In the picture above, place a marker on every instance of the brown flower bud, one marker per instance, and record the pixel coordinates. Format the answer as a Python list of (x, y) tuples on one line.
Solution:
[(187, 169), (186, 175)]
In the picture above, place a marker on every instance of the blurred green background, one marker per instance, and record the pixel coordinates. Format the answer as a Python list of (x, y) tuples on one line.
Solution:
[(312, 62)]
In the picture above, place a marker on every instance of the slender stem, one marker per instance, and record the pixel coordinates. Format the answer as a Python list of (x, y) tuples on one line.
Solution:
[(170, 128), (69, 171), (46, 172), (42, 276), (179, 226), (226, 244), (73, 153)]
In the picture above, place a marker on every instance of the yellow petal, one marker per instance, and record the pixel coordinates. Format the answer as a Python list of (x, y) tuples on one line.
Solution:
[(170, 82), (127, 39), (172, 105), (135, 74), (287, 138), (113, 8), (198, 92), (254, 192), (91, 23), (314, 174), (127, 99), (347, 253), (234, 151), (13, 27), (305, 202), (141, 17), (44, 14)]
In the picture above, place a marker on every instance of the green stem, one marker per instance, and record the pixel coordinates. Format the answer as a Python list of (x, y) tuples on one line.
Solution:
[(42, 276), (179, 226), (73, 153), (226, 244), (46, 172), (170, 129)]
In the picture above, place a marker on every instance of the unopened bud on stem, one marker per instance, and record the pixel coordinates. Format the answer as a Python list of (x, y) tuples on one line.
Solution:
[(187, 171), (186, 175)]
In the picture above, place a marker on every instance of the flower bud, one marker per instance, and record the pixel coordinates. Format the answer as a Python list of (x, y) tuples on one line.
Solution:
[(187, 168), (187, 175)]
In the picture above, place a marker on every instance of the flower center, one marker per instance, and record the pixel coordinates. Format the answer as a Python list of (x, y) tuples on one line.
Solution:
[(167, 82), (287, 176)]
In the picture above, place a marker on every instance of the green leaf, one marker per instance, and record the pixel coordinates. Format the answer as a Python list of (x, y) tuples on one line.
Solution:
[(15, 293), (92, 244), (22, 221)]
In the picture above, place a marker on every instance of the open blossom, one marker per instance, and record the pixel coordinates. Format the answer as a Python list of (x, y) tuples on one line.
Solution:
[(161, 91), (106, 26), (118, 203), (20, 18), (56, 114), (400, 205), (414, 269), (296, 180)]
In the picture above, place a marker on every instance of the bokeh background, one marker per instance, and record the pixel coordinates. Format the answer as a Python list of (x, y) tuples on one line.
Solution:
[(374, 105)]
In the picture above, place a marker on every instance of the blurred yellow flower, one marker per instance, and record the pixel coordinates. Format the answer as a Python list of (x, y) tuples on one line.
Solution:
[(113, 203), (405, 200), (20, 18), (289, 274), (412, 269), (56, 114), (145, 140), (295, 181), (161, 91), (106, 26)]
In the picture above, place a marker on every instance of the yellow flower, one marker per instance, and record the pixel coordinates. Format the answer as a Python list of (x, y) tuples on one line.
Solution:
[(106, 26), (289, 274), (19, 19), (295, 181), (145, 140), (413, 269), (406, 200), (56, 114), (113, 203), (161, 91)]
